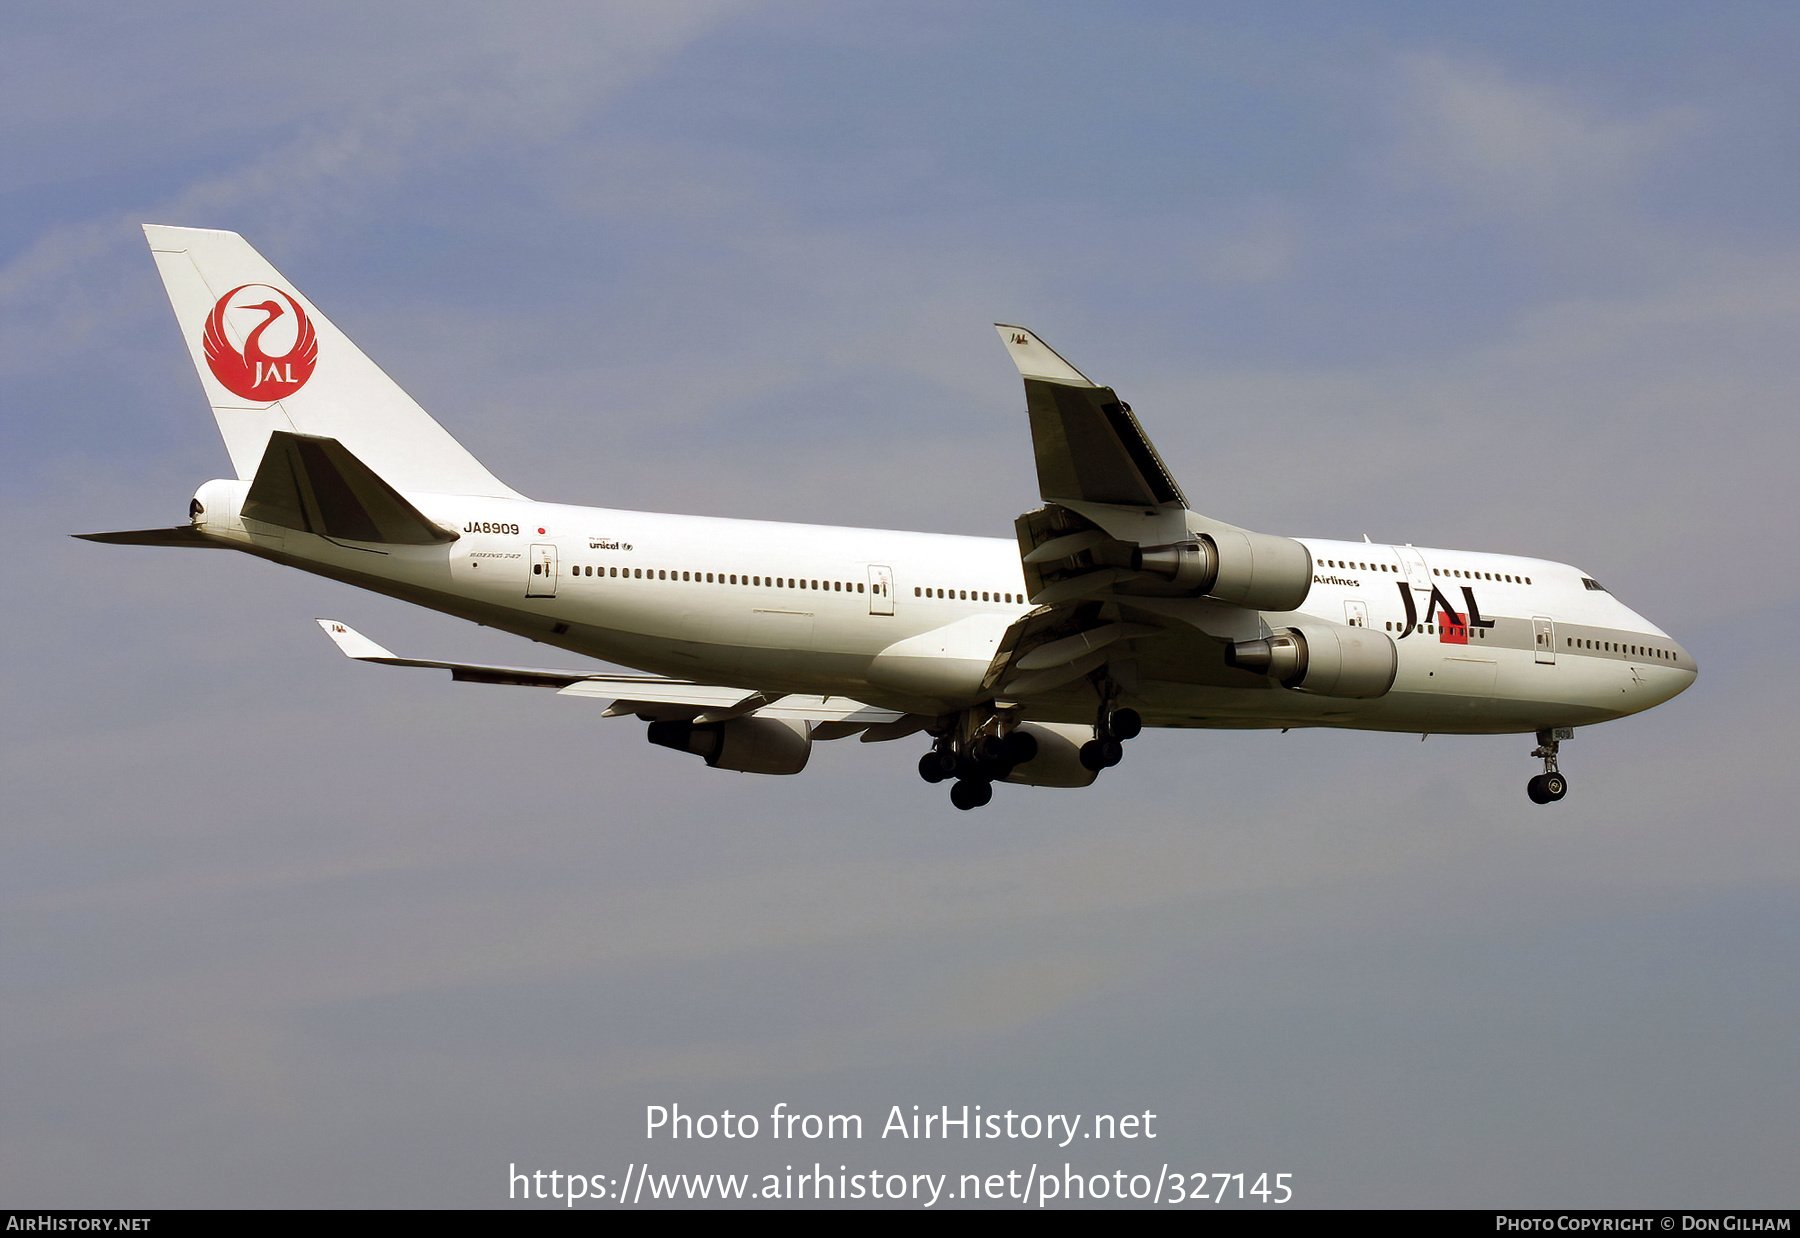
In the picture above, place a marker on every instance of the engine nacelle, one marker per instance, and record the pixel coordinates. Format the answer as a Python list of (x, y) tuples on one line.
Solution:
[(1260, 571), (749, 745), (1058, 759), (1254, 570), (1330, 659)]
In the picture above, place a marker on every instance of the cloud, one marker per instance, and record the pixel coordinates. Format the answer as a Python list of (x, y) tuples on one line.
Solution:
[(1509, 146), (324, 145)]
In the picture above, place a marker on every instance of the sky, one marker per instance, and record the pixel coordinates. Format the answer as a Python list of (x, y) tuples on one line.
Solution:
[(278, 930)]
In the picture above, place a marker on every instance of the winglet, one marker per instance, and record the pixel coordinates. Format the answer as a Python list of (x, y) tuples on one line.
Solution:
[(1037, 359), (353, 643)]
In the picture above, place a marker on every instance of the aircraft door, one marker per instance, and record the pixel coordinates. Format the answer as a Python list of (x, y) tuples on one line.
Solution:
[(881, 590), (1543, 633), (1356, 614), (1417, 574), (542, 581)]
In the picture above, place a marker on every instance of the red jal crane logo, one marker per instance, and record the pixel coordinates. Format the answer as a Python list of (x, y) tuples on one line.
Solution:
[(253, 373)]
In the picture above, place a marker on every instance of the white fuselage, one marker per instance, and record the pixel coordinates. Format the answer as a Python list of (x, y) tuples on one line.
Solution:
[(821, 610)]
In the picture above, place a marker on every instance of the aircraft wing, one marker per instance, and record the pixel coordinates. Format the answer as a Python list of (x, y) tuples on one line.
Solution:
[(1115, 555), (1089, 446), (653, 696)]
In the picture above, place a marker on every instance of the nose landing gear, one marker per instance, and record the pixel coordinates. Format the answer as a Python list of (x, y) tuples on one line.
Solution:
[(1549, 786)]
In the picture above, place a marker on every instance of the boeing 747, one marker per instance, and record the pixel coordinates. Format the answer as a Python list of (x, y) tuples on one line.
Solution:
[(1031, 659)]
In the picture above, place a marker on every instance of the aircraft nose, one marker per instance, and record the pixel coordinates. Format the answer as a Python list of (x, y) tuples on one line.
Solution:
[(1682, 675), (1685, 661)]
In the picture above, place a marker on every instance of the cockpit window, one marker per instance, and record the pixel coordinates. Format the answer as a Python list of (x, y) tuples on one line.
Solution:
[(1593, 585)]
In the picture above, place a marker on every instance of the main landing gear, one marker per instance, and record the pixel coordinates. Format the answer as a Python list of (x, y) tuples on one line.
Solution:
[(1549, 786), (976, 757), (981, 746), (1111, 730)]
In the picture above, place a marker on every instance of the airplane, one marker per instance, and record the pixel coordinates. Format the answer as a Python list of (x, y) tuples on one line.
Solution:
[(1031, 660)]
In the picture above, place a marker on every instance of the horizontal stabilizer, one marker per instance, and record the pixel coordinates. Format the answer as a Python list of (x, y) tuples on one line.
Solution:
[(1089, 446), (315, 485), (180, 535)]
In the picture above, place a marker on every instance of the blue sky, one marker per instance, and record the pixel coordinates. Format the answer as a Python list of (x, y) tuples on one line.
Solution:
[(279, 930)]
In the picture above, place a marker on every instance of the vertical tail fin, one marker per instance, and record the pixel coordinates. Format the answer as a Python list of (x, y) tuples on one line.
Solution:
[(269, 360)]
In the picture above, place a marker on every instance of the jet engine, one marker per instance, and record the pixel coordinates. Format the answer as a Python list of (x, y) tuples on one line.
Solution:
[(749, 745), (1254, 570), (1331, 659)]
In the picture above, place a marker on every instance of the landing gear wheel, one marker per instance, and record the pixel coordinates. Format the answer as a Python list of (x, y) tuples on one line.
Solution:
[(1126, 724), (1099, 754), (992, 763), (931, 769), (1536, 790), (1021, 746), (1555, 786), (971, 793)]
